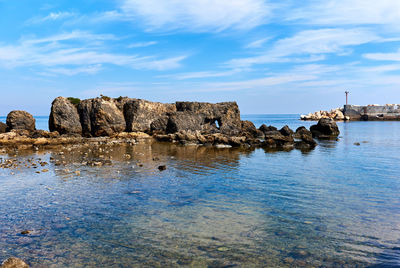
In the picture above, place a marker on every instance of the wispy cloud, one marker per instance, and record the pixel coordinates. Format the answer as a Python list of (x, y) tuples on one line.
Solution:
[(200, 75), (310, 45), (53, 16), (348, 12), (77, 52), (392, 56), (142, 44), (258, 43), (197, 15)]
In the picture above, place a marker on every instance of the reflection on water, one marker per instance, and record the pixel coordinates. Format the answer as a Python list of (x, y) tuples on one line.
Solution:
[(336, 205)]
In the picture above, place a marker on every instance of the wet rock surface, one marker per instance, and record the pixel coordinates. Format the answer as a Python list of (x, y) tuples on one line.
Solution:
[(20, 120)]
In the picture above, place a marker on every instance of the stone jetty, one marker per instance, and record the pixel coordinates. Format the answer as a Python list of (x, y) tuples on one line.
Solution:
[(124, 119)]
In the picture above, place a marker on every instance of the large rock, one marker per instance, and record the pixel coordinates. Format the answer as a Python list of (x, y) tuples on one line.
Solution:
[(326, 128), (305, 137), (20, 120), (221, 117), (184, 121), (100, 117), (64, 117), (3, 127), (146, 116), (248, 129), (14, 263)]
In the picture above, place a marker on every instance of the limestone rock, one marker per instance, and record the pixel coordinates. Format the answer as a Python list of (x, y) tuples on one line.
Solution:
[(146, 116), (14, 263), (100, 117), (249, 129), (20, 120), (3, 127), (184, 121), (64, 117), (221, 117), (326, 128)]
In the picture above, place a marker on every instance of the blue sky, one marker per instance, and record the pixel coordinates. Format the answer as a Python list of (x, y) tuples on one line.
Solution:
[(270, 56)]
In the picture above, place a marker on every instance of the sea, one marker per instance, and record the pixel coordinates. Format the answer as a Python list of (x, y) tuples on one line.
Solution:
[(335, 206)]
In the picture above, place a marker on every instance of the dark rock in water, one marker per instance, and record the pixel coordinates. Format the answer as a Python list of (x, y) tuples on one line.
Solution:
[(25, 232), (286, 131), (357, 144), (145, 116), (20, 120), (100, 117), (249, 129), (3, 128), (64, 117), (264, 128), (275, 139), (163, 167), (300, 131), (14, 263), (326, 128)]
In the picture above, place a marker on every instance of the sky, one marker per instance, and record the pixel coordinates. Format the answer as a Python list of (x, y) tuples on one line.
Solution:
[(271, 56)]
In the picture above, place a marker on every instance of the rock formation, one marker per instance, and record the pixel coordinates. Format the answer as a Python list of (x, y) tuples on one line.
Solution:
[(64, 117), (20, 120), (326, 128), (100, 117)]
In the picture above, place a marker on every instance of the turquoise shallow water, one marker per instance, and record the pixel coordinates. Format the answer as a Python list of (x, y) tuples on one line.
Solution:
[(338, 205)]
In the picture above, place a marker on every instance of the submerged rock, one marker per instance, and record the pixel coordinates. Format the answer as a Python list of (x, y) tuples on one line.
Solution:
[(14, 263), (20, 120), (326, 128), (64, 117)]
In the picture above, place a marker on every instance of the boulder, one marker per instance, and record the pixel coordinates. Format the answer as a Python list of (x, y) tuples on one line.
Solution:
[(286, 131), (14, 263), (3, 127), (100, 117), (305, 137), (146, 116), (326, 128), (275, 139), (64, 117), (249, 129), (265, 128), (302, 131), (20, 120)]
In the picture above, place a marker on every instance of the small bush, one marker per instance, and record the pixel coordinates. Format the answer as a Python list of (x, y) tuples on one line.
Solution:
[(74, 101), (106, 98)]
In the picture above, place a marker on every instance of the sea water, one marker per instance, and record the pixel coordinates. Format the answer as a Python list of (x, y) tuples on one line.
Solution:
[(337, 205)]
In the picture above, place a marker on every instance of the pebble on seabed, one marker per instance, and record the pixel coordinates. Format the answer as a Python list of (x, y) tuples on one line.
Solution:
[(162, 167)]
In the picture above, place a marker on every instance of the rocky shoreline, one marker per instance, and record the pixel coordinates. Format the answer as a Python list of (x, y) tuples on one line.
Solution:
[(335, 114), (127, 120)]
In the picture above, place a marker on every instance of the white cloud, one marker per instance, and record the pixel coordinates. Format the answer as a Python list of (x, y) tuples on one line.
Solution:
[(53, 16), (197, 15), (197, 75), (395, 56), (77, 52), (258, 43), (310, 45), (142, 44), (349, 12)]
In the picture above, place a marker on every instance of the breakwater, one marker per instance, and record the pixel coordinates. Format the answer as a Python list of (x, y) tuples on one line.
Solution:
[(373, 112)]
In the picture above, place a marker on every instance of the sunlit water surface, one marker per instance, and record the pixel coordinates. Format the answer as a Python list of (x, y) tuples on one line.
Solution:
[(338, 205)]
